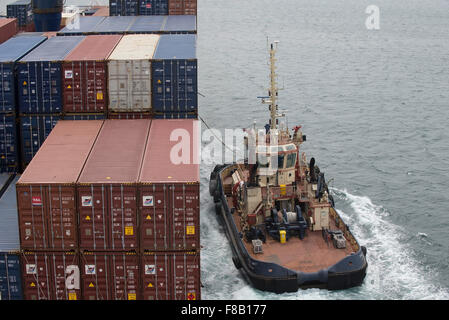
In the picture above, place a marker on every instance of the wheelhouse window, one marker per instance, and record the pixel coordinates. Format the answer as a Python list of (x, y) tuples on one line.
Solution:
[(291, 160)]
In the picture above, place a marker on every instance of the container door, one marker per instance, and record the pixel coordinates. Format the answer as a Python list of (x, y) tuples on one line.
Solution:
[(125, 276), (186, 273), (62, 218), (72, 86), (184, 212), (95, 86), (7, 84), (8, 144), (156, 276), (50, 81), (140, 82), (66, 276), (10, 277), (95, 276), (123, 213), (93, 218), (154, 220), (32, 204), (36, 273)]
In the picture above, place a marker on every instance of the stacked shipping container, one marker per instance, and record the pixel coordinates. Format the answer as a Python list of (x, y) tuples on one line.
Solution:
[(8, 28), (10, 52), (129, 74), (85, 76), (132, 24), (152, 7), (48, 218), (10, 268), (22, 10), (40, 91), (104, 214)]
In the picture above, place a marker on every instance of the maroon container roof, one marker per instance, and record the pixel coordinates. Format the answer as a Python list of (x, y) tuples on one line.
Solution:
[(61, 157), (158, 165), (117, 154), (94, 47)]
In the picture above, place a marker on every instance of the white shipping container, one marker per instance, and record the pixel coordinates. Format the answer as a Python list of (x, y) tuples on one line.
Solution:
[(129, 73)]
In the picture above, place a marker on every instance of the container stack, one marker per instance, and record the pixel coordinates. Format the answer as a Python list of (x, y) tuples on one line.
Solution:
[(10, 52), (40, 92), (152, 7), (105, 213), (22, 11)]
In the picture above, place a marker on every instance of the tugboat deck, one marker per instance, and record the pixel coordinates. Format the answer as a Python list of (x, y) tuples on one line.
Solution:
[(308, 255)]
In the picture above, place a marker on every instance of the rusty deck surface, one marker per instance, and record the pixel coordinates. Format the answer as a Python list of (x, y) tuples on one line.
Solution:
[(308, 255)]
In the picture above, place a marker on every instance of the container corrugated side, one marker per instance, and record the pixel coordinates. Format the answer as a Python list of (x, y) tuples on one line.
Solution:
[(34, 129), (110, 275), (10, 269), (11, 51), (84, 74), (39, 76), (50, 275), (171, 276), (182, 7), (84, 116), (9, 156), (22, 10), (129, 115), (174, 75), (8, 28), (169, 188), (107, 191), (153, 7), (129, 73), (46, 191), (123, 7)]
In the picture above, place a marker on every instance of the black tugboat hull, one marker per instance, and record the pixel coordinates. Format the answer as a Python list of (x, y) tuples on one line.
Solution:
[(347, 273)]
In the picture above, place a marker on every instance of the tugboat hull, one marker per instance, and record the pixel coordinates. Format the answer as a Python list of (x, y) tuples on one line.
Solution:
[(348, 272)]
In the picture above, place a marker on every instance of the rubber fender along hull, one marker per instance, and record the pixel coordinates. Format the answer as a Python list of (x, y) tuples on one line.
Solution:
[(347, 273)]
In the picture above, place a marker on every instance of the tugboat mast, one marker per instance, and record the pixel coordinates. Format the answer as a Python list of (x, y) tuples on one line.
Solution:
[(273, 91)]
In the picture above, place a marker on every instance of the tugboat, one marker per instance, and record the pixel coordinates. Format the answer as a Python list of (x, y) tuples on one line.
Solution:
[(278, 214)]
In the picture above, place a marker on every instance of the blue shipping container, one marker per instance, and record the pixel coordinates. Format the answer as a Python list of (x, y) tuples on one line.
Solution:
[(147, 24), (11, 51), (34, 129), (153, 7), (123, 7), (39, 76), (10, 271), (21, 10), (83, 25), (8, 144), (114, 25), (174, 74), (180, 24)]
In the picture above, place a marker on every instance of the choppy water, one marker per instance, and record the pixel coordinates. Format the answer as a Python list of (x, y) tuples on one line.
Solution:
[(374, 105)]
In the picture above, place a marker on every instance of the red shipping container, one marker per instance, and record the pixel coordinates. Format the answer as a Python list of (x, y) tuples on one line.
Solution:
[(8, 28), (182, 7), (84, 74), (51, 276), (107, 187), (110, 275), (171, 276), (169, 192), (46, 190)]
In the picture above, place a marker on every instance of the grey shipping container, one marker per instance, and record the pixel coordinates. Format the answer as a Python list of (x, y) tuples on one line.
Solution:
[(129, 73), (39, 76), (10, 269), (82, 25)]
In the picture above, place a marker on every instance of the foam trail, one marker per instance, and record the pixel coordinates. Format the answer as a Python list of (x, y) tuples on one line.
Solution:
[(392, 273)]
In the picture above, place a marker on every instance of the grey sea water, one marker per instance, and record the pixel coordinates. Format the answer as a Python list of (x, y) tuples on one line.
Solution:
[(374, 105)]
